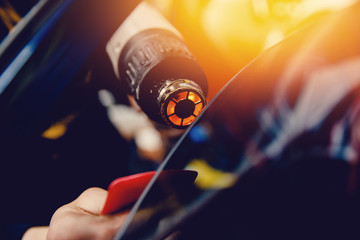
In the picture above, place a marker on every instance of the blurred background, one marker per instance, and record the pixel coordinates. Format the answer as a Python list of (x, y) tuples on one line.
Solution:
[(224, 35)]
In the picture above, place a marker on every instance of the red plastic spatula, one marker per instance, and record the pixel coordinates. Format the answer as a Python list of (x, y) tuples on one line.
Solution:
[(126, 190)]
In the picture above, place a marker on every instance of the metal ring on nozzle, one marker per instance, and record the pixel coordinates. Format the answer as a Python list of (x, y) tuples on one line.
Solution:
[(181, 101)]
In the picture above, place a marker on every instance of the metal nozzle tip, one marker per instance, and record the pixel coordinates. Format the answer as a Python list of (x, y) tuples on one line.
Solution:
[(181, 102)]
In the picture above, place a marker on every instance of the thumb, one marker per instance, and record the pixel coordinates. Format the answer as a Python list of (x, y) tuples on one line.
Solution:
[(81, 218), (91, 200)]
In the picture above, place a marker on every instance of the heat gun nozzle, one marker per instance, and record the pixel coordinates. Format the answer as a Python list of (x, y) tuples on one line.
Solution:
[(181, 102)]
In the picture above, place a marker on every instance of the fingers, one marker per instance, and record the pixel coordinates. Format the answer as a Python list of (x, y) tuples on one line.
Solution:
[(80, 219), (36, 233)]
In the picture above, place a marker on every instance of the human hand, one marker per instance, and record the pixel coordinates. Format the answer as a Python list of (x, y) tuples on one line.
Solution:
[(80, 219)]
